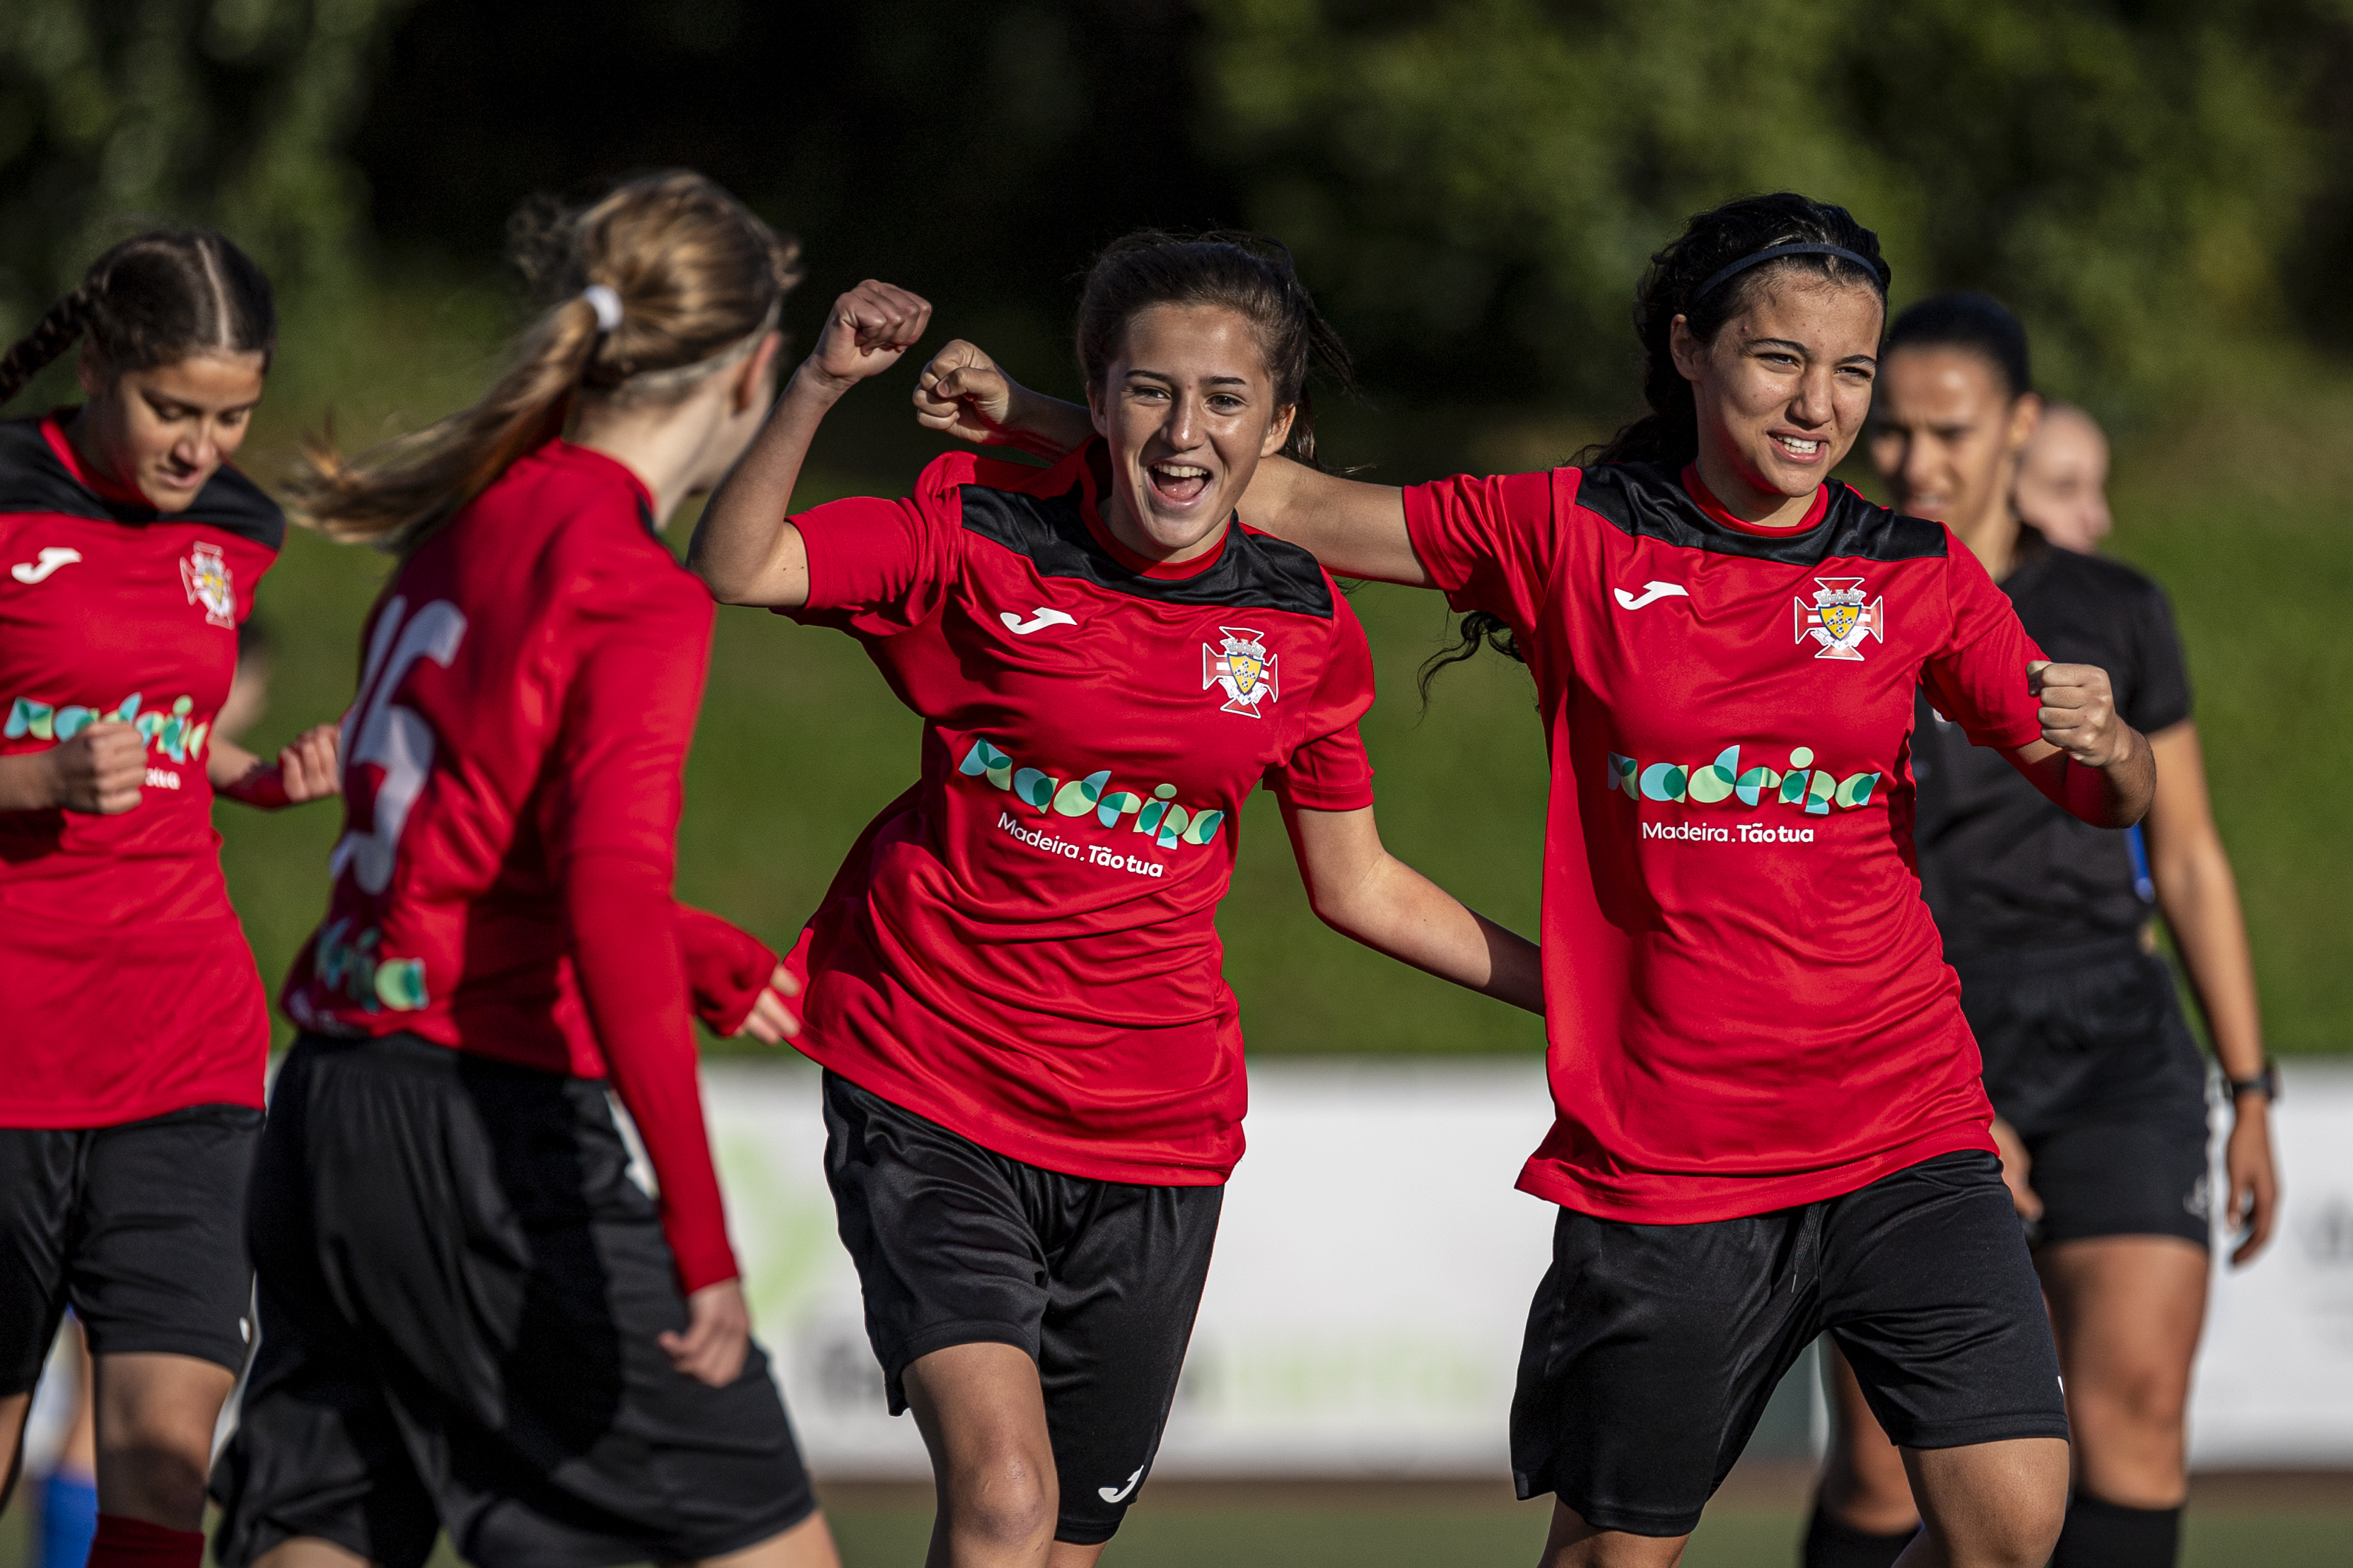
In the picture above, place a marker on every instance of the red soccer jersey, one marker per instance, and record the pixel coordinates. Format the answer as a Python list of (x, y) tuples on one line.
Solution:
[(513, 772), (1746, 1001), (1022, 947), (129, 989)]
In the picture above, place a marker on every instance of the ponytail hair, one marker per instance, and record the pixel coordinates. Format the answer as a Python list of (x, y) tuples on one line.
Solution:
[(158, 297), (1248, 274), (665, 281), (1707, 275)]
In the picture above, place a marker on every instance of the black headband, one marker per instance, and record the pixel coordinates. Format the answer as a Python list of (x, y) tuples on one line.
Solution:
[(1774, 253)]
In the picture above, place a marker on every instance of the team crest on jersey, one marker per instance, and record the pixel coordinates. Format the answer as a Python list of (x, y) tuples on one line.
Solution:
[(1839, 620), (204, 574), (1243, 668)]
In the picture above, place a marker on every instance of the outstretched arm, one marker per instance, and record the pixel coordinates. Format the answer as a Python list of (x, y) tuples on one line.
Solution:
[(743, 548), (1355, 529), (2089, 761), (1361, 890)]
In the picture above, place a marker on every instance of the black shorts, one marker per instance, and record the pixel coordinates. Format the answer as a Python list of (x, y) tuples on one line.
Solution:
[(1651, 1348), (2088, 1055), (1098, 1281), (461, 1291), (138, 1228)]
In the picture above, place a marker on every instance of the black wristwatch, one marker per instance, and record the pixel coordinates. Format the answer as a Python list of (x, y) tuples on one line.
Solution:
[(2265, 1083)]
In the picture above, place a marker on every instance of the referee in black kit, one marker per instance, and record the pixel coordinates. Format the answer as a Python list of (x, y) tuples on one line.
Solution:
[(2098, 1087)]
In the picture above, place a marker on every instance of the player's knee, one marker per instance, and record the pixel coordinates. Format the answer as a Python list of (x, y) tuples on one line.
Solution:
[(1006, 1497)]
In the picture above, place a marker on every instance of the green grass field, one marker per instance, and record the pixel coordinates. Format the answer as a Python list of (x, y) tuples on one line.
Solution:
[(801, 741), (1417, 1525)]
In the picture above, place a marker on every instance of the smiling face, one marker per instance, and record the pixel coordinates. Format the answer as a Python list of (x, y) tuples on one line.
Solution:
[(1188, 410), (165, 431), (1946, 436), (1782, 390)]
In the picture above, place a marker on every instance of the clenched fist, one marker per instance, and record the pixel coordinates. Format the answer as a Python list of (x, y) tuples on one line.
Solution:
[(2079, 713), (101, 769)]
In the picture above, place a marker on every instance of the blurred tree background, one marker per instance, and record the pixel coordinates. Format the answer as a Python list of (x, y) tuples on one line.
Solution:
[(2163, 190)]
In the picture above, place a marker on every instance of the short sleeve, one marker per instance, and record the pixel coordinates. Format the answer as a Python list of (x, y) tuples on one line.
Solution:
[(1489, 542), (877, 567), (1976, 678), (2160, 694), (1327, 770)]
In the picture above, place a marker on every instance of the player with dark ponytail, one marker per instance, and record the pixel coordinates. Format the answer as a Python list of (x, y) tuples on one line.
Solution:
[(472, 1319), (1769, 1118), (130, 1081), (1034, 1079)]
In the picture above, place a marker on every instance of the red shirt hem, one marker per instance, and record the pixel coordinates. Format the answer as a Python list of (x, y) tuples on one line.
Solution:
[(1014, 1140), (1738, 1198)]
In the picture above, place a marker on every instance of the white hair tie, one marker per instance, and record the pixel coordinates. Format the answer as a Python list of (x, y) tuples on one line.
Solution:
[(606, 303)]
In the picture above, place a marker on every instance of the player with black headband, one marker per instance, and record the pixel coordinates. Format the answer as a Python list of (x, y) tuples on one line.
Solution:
[(1034, 1085), (1769, 1118), (2100, 1089), (138, 1031)]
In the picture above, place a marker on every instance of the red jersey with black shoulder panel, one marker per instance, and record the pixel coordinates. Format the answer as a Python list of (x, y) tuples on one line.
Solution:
[(129, 987), (513, 774), (1746, 1000), (1023, 947)]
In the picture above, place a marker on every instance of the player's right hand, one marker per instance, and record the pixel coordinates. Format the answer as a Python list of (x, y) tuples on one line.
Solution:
[(868, 330), (100, 770), (718, 1336), (963, 393)]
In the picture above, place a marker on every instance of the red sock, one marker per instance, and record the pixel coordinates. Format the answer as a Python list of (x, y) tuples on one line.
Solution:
[(125, 1543)]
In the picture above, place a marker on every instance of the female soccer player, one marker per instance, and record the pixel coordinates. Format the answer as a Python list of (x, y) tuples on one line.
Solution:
[(1034, 1085), (2062, 489), (471, 1319), (1769, 1117), (2099, 1087), (130, 1083)]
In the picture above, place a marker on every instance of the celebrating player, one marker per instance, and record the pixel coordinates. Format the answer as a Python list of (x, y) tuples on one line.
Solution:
[(2099, 1087), (1769, 1118), (138, 1032), (471, 1319), (1034, 1085)]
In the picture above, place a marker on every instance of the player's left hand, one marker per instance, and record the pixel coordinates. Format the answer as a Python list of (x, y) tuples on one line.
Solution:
[(2254, 1178), (2079, 713), (308, 768), (718, 1336), (771, 1020), (869, 329)]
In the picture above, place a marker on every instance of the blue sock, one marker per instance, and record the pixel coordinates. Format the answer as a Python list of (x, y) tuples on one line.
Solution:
[(67, 1521)]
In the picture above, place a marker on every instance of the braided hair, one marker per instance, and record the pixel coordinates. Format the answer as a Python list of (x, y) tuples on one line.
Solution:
[(1703, 275), (157, 298)]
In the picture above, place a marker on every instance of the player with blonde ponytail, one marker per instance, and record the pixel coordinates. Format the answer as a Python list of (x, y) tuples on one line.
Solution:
[(472, 1320), (130, 1069)]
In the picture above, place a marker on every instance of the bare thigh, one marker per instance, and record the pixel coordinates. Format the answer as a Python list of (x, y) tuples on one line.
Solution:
[(2127, 1310)]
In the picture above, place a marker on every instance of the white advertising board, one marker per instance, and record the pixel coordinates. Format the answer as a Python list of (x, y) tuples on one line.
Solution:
[(1374, 1267)]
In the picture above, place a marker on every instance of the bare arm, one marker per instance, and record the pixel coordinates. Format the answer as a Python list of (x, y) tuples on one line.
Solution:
[(2200, 897), (1363, 891), (1355, 529), (745, 549), (2089, 761), (100, 771)]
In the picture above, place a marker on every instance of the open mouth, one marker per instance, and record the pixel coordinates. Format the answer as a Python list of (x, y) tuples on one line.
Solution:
[(1800, 448), (1179, 484)]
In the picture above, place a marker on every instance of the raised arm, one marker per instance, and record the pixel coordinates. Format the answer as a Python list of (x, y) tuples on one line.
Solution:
[(743, 548), (1361, 890), (2089, 761), (1355, 529)]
